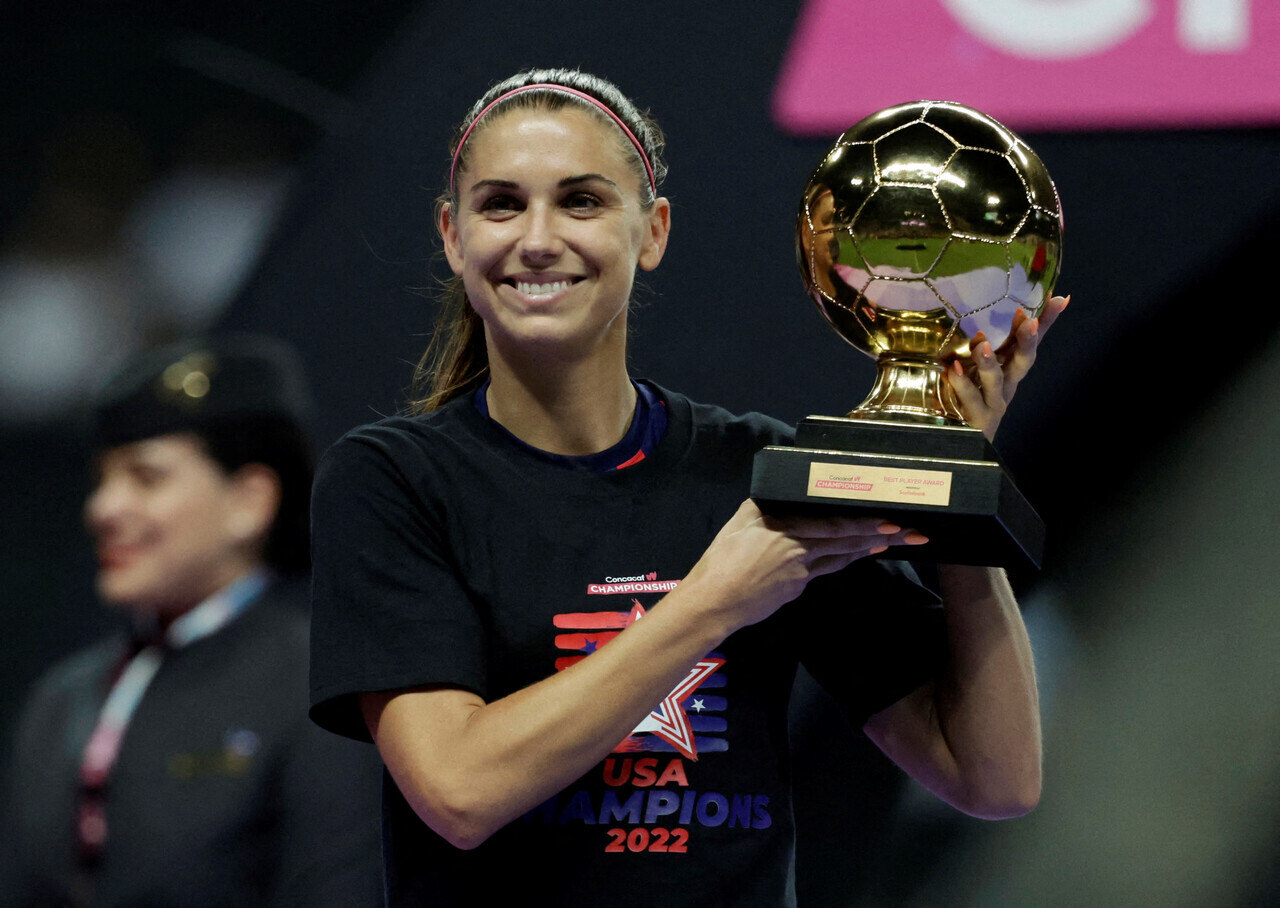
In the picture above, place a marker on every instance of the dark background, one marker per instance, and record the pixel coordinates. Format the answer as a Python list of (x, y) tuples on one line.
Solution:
[(1145, 436)]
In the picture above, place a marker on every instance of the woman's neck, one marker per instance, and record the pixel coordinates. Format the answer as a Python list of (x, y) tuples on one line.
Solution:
[(565, 408)]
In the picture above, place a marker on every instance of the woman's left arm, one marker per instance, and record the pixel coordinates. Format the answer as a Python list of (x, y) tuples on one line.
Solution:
[(973, 735)]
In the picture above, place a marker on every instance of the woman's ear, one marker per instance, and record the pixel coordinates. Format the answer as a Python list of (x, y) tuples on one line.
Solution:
[(449, 232), (658, 229), (257, 493)]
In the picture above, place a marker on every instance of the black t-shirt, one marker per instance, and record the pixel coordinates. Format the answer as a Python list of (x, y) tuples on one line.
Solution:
[(445, 553)]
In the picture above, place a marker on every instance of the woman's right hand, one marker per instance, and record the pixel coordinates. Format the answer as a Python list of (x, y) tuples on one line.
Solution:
[(758, 562)]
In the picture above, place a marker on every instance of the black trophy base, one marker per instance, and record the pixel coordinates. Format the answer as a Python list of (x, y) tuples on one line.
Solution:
[(945, 481)]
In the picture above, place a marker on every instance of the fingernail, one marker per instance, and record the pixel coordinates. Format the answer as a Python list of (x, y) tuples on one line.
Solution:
[(986, 350), (956, 367), (914, 538), (1066, 302), (888, 528), (876, 550), (1035, 327)]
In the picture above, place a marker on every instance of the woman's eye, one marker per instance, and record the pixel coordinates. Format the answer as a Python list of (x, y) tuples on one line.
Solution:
[(582, 201), (499, 204), (146, 476)]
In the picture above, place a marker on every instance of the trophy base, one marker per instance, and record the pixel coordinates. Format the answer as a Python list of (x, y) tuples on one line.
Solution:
[(945, 481)]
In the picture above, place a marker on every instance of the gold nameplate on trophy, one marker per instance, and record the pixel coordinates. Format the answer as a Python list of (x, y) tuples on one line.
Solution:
[(833, 480)]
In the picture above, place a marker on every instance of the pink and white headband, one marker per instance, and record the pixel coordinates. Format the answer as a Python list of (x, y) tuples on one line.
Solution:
[(551, 86)]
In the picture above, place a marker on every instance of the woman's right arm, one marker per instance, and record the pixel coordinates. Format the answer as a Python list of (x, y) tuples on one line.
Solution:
[(468, 767)]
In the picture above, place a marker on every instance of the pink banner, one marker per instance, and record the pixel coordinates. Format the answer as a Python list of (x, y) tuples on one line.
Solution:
[(1036, 64)]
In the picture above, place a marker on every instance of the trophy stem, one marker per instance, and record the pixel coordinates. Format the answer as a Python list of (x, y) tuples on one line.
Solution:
[(909, 389)]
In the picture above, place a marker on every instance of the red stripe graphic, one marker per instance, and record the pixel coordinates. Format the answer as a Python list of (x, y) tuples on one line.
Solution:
[(669, 721)]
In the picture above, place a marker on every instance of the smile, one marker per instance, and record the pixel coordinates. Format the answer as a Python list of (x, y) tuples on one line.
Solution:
[(528, 288), (117, 556)]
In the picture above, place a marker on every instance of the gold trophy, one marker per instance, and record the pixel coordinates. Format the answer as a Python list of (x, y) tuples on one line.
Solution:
[(927, 228)]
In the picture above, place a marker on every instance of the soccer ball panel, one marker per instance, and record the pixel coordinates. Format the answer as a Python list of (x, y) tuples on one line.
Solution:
[(902, 212), (841, 184), (902, 296), (969, 128), (1040, 188), (1035, 257), (982, 194), (916, 153), (994, 322), (973, 290), (833, 267), (881, 122)]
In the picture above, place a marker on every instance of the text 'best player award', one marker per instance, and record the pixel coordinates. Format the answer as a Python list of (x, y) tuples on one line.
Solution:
[(927, 228)]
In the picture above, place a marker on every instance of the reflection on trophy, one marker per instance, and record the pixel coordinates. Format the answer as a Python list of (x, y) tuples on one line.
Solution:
[(928, 228)]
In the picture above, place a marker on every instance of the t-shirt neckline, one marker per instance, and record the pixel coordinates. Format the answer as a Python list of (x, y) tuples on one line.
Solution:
[(673, 446), (648, 427)]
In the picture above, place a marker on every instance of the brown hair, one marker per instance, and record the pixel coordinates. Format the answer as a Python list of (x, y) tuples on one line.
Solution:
[(456, 360)]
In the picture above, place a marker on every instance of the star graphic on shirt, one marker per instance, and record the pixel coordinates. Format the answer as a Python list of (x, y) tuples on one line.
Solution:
[(698, 705), (669, 720)]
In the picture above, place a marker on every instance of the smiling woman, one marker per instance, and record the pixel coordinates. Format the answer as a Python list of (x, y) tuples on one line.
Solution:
[(176, 766), (172, 527), (466, 610), (457, 360), (546, 236)]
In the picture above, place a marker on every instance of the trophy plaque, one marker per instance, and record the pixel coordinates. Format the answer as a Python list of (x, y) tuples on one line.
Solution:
[(928, 228)]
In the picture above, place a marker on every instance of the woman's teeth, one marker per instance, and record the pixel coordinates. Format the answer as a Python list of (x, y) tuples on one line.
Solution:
[(529, 289)]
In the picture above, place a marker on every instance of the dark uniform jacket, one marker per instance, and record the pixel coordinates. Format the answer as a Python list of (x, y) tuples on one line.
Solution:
[(224, 793)]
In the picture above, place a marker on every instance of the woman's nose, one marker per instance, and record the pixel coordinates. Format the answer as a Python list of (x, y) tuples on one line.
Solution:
[(541, 240), (105, 502)]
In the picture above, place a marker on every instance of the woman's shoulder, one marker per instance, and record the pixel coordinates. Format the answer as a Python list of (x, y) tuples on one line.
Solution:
[(714, 422), (395, 444), (403, 432), (79, 673)]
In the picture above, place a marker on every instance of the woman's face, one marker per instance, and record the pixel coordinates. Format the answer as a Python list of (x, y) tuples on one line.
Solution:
[(170, 527), (549, 231)]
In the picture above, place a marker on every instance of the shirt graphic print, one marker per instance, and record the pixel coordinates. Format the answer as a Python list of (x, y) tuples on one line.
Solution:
[(650, 800)]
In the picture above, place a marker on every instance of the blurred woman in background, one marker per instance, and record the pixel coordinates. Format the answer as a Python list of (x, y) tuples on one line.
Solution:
[(176, 765)]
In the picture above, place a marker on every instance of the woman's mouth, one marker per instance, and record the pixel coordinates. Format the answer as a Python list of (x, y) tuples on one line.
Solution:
[(117, 556), (529, 289), (540, 289)]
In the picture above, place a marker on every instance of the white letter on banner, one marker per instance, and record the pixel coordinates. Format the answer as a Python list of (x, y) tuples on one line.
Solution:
[(1213, 26), (1053, 29)]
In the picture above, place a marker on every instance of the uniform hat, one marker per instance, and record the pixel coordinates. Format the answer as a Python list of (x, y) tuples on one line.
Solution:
[(202, 383)]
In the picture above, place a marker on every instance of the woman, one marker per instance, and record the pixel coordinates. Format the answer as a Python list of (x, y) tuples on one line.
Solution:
[(176, 766), (473, 561)]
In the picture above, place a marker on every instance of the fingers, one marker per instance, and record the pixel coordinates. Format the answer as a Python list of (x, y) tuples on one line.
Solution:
[(990, 375), (836, 534), (1052, 310), (832, 527), (1028, 333), (831, 562), (826, 554), (984, 394), (982, 401)]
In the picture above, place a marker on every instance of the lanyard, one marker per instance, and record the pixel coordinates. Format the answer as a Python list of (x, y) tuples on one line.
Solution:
[(126, 693)]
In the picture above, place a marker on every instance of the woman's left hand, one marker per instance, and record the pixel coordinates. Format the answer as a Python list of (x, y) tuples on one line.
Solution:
[(985, 390)]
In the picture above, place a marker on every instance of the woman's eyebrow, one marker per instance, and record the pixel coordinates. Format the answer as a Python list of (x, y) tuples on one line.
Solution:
[(501, 184), (567, 181), (586, 178)]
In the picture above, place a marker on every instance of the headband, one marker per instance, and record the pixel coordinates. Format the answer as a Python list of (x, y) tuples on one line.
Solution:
[(564, 89)]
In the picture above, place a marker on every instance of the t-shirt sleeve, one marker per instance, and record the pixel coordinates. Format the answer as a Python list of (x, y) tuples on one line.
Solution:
[(870, 635), (389, 607)]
